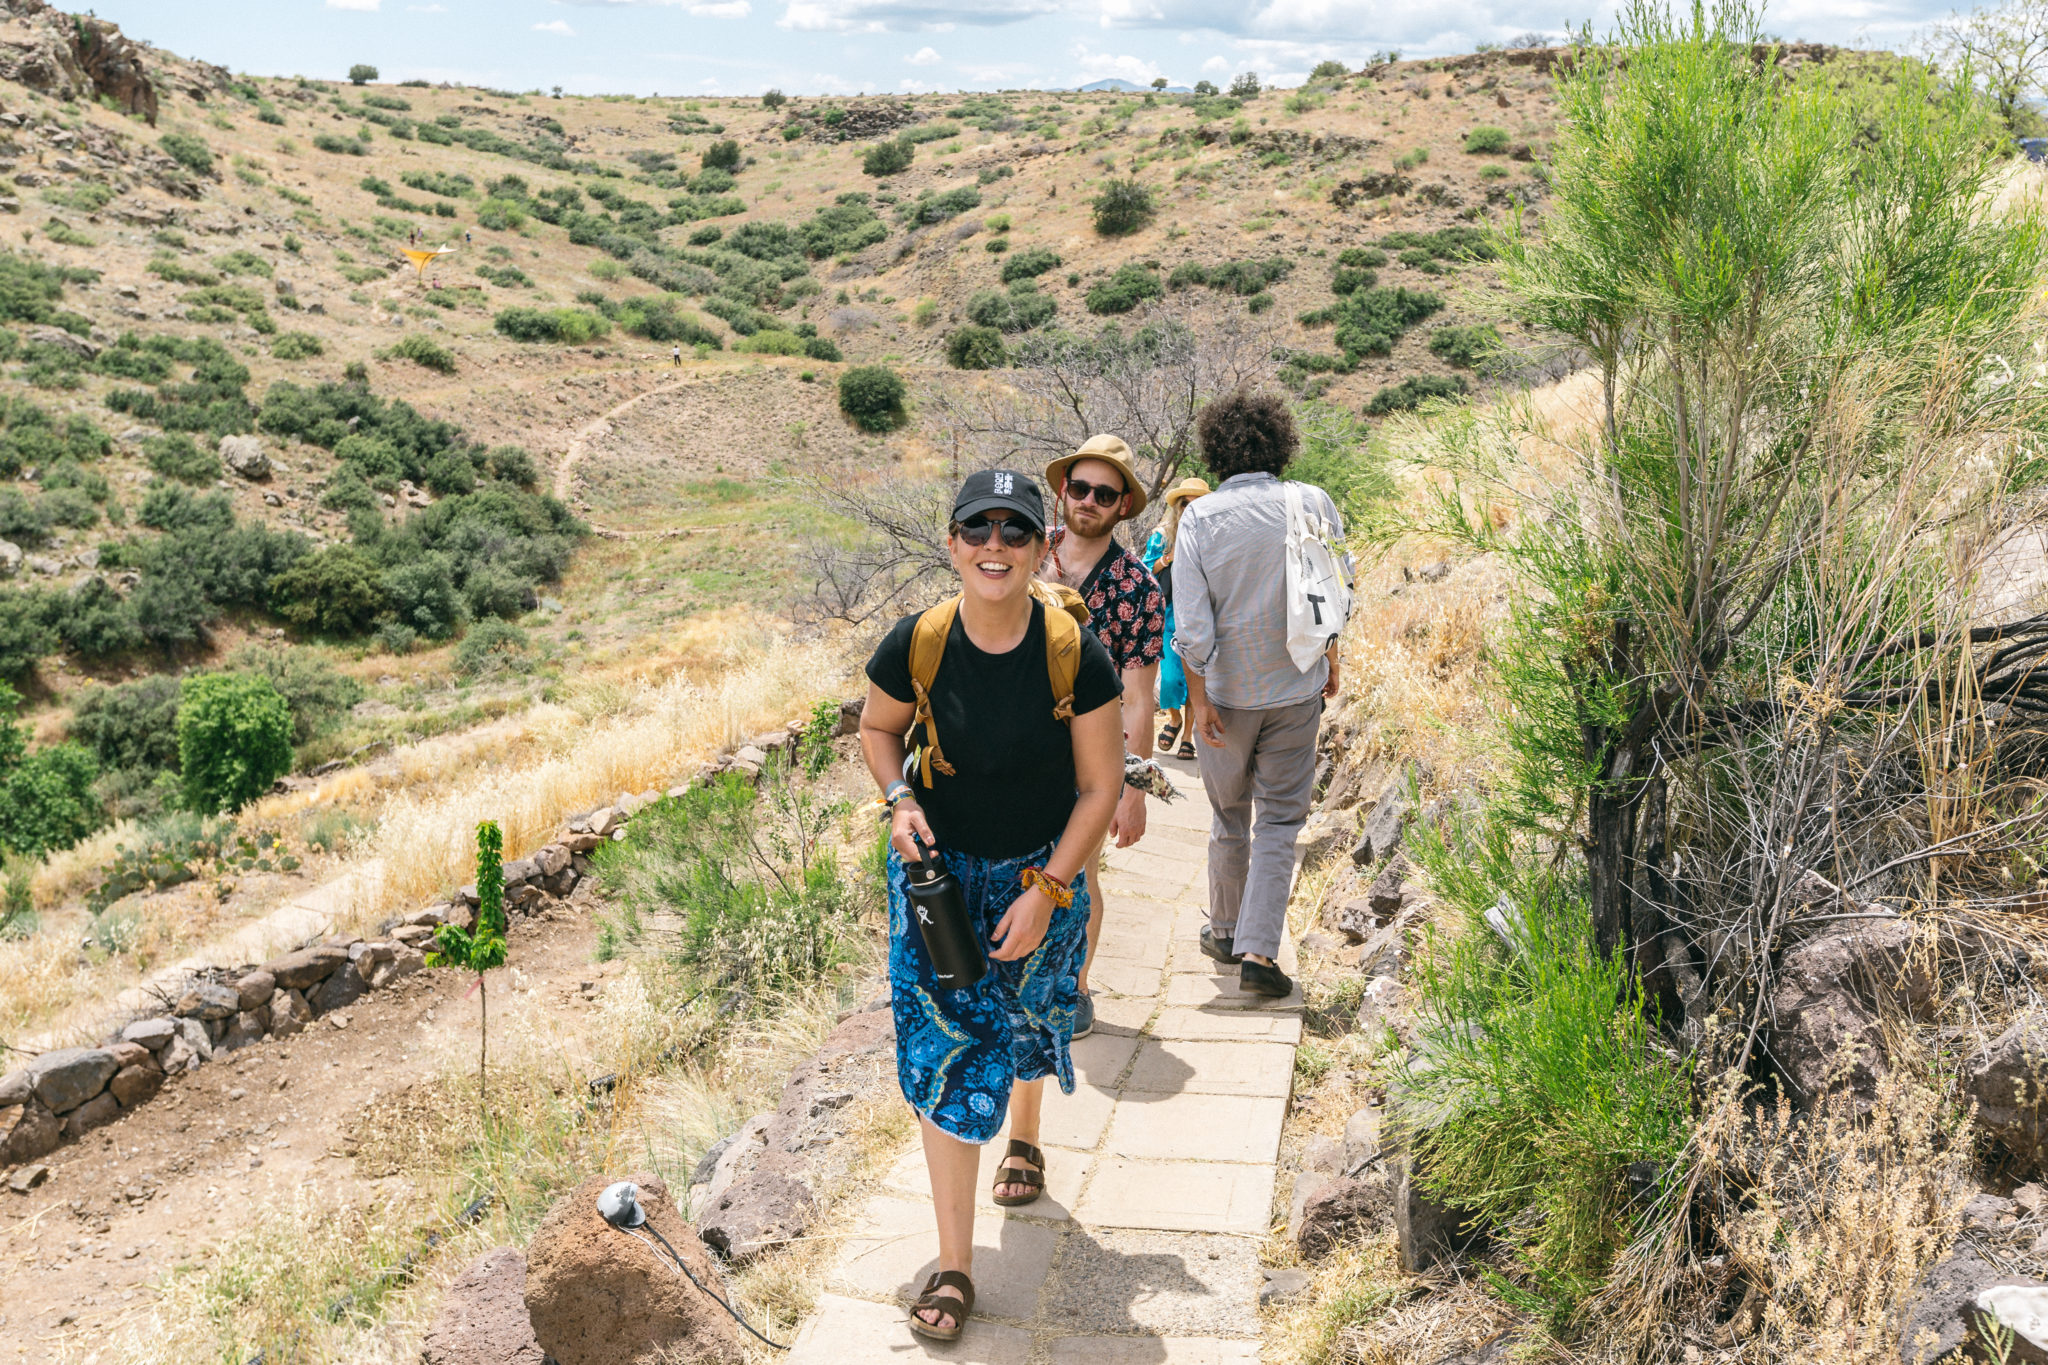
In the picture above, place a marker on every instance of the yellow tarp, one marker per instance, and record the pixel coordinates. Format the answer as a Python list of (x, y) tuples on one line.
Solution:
[(420, 258)]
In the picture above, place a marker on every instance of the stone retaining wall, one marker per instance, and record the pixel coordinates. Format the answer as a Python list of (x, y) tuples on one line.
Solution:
[(64, 1094)]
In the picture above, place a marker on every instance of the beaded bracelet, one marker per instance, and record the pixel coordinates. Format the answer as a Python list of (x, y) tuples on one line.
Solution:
[(1059, 895)]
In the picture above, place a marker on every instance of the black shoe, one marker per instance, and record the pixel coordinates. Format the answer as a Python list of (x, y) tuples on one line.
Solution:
[(1084, 1016), (1260, 979), (1218, 948)]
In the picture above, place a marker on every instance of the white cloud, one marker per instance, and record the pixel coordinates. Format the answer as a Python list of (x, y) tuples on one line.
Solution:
[(1218, 64), (914, 87), (555, 26), (924, 56), (722, 9), (360, 6), (874, 16), (1097, 66)]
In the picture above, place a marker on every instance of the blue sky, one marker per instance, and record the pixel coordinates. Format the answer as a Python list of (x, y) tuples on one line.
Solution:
[(737, 47)]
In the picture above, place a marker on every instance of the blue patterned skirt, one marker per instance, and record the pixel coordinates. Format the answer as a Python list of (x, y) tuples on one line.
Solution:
[(958, 1052)]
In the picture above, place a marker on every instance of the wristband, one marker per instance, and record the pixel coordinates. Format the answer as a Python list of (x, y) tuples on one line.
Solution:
[(1059, 895), (897, 791)]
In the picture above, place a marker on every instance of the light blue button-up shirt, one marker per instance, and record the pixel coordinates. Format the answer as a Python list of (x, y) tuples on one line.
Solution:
[(1230, 594)]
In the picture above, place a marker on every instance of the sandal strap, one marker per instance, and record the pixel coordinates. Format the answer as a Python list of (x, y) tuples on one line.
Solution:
[(948, 1279), (1028, 1152)]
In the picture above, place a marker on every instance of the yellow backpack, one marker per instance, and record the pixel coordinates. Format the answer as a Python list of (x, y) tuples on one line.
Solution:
[(1065, 614)]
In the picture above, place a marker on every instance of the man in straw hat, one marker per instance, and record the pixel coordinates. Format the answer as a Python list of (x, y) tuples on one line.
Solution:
[(1095, 488)]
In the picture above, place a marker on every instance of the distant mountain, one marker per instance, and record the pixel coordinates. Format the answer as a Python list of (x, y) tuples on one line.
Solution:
[(1122, 86)]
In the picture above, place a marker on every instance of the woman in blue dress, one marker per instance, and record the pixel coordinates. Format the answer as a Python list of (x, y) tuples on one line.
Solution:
[(1173, 680), (1014, 787)]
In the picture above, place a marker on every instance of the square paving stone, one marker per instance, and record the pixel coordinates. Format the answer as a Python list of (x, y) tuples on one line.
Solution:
[(1123, 1014), (1159, 1284), (1100, 1059), (1067, 1172), (1124, 978), (1174, 1066), (853, 1332), (1075, 1120), (1221, 992), (1235, 1026), (1181, 1196), (1197, 1127), (1153, 1351), (1139, 945), (895, 1248)]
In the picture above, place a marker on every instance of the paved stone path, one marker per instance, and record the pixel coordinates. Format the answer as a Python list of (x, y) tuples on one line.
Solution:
[(1143, 1250)]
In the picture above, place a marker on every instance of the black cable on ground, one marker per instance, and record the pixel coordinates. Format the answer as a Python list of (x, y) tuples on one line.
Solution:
[(675, 1256)]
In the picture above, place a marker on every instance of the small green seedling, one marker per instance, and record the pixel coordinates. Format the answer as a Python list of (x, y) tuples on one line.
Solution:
[(482, 948)]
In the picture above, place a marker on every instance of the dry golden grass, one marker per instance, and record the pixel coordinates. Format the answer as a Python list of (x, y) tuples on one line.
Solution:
[(642, 720)]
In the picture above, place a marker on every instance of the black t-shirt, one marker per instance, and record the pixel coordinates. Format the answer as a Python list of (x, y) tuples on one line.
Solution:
[(1012, 787)]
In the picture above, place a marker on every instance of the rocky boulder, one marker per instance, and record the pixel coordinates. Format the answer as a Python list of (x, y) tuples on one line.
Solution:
[(133, 1085), (68, 1077), (11, 557), (765, 1210), (244, 455), (28, 1131), (209, 1000), (596, 1296), (255, 989), (306, 967), (483, 1318), (2008, 1082), (1380, 835), (97, 1112), (344, 987), (1828, 989), (15, 1088), (1429, 1233), (1942, 1315), (1341, 1209), (153, 1034)]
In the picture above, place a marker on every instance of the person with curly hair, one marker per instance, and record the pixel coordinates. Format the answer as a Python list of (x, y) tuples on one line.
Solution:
[(1255, 713)]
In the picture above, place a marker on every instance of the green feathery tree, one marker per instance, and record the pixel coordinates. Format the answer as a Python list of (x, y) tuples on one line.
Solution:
[(482, 948)]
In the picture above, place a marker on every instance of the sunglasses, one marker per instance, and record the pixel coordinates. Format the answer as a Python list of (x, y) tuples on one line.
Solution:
[(1016, 534), (1103, 495)]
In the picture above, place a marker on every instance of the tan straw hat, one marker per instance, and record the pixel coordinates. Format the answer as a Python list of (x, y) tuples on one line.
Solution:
[(1187, 490), (1110, 450)]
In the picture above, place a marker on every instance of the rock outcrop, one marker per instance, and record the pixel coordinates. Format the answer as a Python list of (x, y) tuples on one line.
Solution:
[(599, 1296), (75, 57), (483, 1319)]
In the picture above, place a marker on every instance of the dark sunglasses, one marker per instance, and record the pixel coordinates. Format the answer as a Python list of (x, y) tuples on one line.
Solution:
[(1016, 534), (1104, 496)]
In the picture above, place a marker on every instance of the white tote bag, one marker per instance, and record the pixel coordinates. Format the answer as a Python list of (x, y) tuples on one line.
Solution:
[(1318, 582)]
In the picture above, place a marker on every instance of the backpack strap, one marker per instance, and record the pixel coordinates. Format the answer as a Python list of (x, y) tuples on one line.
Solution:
[(927, 648), (1065, 614)]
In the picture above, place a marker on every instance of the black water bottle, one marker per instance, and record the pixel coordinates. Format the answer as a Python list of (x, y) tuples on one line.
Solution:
[(949, 937)]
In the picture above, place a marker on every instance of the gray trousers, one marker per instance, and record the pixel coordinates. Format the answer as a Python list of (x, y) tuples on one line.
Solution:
[(1260, 783)]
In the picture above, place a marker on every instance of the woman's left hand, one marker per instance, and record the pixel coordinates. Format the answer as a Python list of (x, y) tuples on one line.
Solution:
[(1022, 927)]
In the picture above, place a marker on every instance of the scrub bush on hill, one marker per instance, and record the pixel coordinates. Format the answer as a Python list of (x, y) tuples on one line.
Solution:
[(29, 291), (188, 151), (1029, 263), (1120, 293), (662, 319), (318, 693), (843, 228), (234, 739), (424, 351), (873, 397), (888, 158), (565, 326), (1123, 207), (976, 348), (1019, 309), (1371, 321), (30, 436), (130, 725), (1413, 391)]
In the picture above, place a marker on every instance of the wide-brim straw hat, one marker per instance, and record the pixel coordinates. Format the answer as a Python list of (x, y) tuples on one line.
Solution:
[(1187, 490), (1110, 450)]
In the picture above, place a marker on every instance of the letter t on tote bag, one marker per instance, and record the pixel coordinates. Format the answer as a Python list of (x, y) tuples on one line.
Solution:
[(1318, 582)]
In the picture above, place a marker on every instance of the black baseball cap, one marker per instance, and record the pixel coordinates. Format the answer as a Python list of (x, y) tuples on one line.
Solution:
[(1001, 488)]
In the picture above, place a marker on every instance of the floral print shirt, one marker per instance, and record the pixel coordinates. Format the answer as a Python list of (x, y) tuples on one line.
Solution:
[(1126, 610)]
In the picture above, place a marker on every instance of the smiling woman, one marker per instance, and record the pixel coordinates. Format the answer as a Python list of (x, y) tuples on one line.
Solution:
[(1018, 766)]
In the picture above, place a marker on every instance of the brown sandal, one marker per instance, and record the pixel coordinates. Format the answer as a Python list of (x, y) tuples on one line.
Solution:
[(957, 1309), (1008, 1175)]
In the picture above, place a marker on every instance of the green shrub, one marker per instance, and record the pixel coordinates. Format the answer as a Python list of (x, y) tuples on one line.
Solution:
[(706, 235), (339, 146), (95, 620), (362, 73), (318, 693), (724, 156), (424, 595), (22, 519), (424, 351), (663, 319), (337, 591), (491, 648), (1020, 309), (1486, 140), (937, 208), (175, 457), (296, 346), (1361, 258), (1371, 321), (234, 739), (976, 348), (26, 631), (1466, 347), (1123, 207), (1120, 293), (130, 724), (1413, 391), (500, 215), (513, 465), (873, 397), (188, 151), (1030, 263), (820, 348), (842, 228), (888, 158), (69, 507), (1351, 281), (770, 341), (47, 800), (567, 326)]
